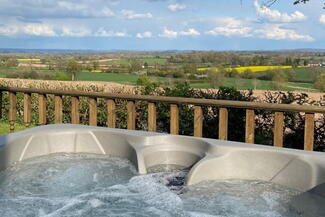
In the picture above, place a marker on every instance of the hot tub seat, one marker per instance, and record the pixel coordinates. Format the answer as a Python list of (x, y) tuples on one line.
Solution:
[(208, 159)]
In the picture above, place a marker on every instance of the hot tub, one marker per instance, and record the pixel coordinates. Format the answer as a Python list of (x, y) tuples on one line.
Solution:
[(204, 159)]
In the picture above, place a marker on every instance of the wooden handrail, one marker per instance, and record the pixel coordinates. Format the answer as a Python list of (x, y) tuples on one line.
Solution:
[(178, 100), (174, 103)]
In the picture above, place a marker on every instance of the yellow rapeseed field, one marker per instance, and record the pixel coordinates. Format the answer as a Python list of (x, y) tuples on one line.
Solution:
[(29, 60), (252, 68)]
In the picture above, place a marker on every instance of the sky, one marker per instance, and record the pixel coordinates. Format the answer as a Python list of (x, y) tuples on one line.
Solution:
[(161, 24)]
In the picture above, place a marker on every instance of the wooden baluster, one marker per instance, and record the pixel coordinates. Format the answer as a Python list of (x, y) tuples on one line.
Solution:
[(58, 109), (131, 115), (278, 129), (41, 109), (1, 95), (27, 109), (12, 111), (111, 113), (309, 131), (198, 121), (92, 111), (250, 126), (152, 117), (223, 124), (75, 115), (174, 119)]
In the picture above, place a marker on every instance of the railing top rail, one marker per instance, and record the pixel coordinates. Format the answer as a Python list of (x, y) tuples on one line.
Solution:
[(178, 100)]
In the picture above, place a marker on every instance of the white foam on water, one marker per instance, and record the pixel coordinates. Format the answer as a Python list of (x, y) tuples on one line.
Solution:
[(238, 198), (85, 185)]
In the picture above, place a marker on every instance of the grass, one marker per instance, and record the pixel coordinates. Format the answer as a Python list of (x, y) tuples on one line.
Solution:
[(111, 77), (306, 74), (242, 84), (302, 75), (4, 127)]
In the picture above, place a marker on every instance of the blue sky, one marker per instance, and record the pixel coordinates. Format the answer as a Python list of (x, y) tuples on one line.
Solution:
[(161, 24)]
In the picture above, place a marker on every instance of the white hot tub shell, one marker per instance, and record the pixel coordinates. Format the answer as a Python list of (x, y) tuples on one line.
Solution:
[(207, 159)]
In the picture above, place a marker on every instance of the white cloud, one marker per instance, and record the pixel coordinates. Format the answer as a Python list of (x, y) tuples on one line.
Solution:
[(169, 34), (28, 29), (322, 19), (65, 31), (129, 14), (229, 26), (80, 32), (105, 12), (276, 16), (275, 32), (104, 33), (190, 32), (176, 7), (8, 30), (38, 30), (144, 35), (70, 6)]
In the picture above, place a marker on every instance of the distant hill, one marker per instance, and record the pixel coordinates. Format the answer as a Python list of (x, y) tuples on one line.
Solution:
[(23, 50)]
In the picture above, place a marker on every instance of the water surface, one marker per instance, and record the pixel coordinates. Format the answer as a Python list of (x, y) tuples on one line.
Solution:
[(88, 185)]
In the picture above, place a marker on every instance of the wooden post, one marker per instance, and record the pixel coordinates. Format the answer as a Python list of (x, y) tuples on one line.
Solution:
[(75, 116), (174, 119), (198, 121), (12, 111), (223, 124), (41, 109), (1, 95), (111, 113), (58, 114), (152, 117), (278, 129), (250, 126), (27, 109), (92, 111), (131, 115), (309, 132)]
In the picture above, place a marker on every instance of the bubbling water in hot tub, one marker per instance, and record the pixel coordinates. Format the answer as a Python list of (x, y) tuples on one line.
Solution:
[(96, 185)]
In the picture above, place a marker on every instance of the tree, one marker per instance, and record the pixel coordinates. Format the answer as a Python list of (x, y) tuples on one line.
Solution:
[(279, 78), (248, 74), (216, 78), (320, 83), (95, 65), (189, 68), (306, 62), (73, 68), (11, 63), (134, 66), (89, 68), (269, 3)]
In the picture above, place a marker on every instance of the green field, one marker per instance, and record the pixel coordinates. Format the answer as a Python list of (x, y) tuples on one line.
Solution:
[(242, 84), (303, 75), (111, 77)]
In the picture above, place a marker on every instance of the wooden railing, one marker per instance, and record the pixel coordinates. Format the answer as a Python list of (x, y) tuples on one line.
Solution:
[(174, 102)]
